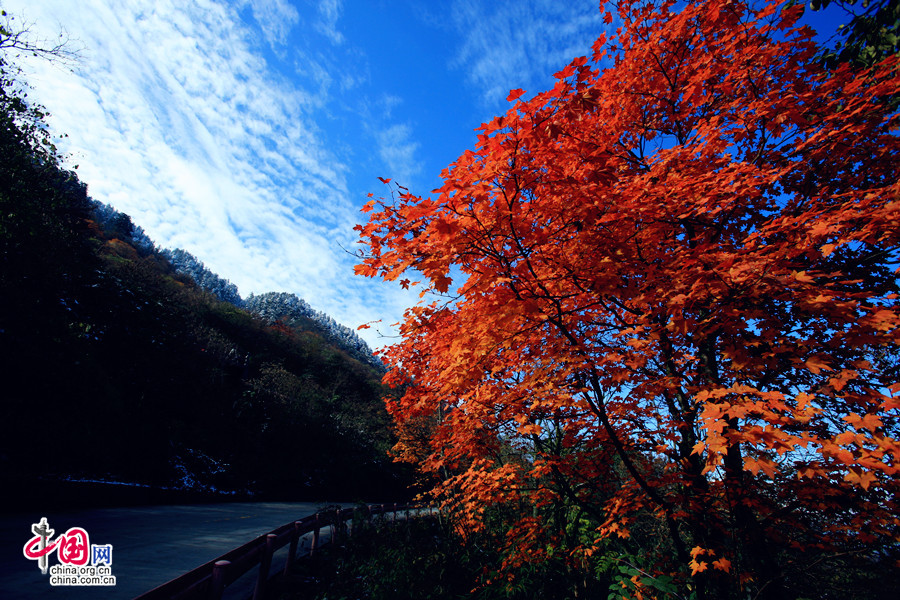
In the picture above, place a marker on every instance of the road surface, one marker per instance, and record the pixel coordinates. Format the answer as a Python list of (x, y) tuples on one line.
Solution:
[(151, 544)]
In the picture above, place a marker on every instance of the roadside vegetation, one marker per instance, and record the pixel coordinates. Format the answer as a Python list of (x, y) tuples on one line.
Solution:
[(429, 558)]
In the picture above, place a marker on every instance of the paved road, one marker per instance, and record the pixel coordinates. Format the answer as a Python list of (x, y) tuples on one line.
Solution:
[(151, 545)]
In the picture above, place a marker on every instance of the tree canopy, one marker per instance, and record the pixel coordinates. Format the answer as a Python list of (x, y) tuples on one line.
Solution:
[(664, 298)]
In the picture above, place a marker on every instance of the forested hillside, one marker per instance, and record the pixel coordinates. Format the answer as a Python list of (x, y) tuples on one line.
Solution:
[(275, 307), (116, 366)]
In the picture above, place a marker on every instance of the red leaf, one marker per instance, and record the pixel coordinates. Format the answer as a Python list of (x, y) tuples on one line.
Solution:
[(515, 95)]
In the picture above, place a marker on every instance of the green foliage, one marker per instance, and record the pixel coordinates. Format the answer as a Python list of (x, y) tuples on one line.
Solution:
[(630, 580), (418, 559), (430, 559), (872, 34)]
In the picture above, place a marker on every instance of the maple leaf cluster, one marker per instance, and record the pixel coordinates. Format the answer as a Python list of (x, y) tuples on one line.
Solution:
[(678, 297)]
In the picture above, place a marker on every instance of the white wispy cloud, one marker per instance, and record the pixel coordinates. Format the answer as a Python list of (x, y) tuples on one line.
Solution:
[(507, 45), (398, 149), (330, 12), (176, 119), (275, 17)]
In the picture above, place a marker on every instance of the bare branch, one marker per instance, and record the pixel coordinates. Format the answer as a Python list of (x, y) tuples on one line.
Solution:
[(18, 40)]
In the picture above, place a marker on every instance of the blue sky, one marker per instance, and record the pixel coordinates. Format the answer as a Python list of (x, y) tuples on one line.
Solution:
[(249, 132)]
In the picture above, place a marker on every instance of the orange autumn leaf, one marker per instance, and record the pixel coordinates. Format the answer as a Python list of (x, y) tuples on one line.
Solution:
[(723, 564), (816, 365), (698, 567), (861, 478), (870, 422)]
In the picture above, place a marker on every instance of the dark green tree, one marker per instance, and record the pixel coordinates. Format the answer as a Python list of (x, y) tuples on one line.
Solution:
[(870, 36)]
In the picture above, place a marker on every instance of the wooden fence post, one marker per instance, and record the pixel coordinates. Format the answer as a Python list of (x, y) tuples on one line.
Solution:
[(264, 565), (292, 551), (338, 525), (217, 582), (315, 539)]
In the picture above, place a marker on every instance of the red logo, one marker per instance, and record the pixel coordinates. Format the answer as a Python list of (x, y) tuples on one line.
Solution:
[(72, 547)]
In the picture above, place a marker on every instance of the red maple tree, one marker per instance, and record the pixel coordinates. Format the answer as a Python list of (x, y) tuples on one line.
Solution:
[(676, 295)]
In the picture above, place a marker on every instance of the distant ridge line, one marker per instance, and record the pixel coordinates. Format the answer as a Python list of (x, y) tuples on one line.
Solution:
[(271, 306)]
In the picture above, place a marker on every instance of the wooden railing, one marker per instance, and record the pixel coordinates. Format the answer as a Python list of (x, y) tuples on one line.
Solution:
[(208, 581)]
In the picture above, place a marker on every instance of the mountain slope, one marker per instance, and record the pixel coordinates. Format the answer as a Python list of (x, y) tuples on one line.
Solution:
[(115, 366)]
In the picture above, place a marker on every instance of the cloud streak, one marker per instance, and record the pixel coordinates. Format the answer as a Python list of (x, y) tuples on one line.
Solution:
[(508, 45), (275, 18)]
